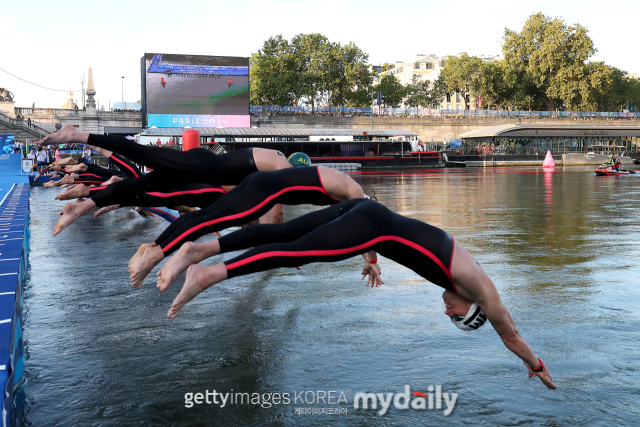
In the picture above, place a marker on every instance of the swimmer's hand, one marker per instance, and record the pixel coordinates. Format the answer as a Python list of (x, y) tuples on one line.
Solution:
[(372, 272), (545, 377)]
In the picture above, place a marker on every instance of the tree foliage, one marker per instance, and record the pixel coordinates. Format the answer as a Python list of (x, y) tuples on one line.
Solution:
[(309, 69), (424, 93), (552, 56), (273, 74), (392, 91), (546, 66), (462, 74)]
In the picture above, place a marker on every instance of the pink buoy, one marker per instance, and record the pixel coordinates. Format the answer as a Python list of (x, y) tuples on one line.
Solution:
[(548, 161)]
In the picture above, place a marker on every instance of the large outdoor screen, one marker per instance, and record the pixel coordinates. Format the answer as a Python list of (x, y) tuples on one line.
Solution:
[(195, 91)]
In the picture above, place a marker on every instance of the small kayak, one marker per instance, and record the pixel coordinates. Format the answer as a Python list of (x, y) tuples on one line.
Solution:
[(606, 171)]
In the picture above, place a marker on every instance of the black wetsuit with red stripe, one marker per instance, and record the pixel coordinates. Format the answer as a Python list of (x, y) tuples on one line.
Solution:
[(181, 168), (194, 195), (128, 168), (346, 229), (61, 171), (151, 189), (89, 179), (254, 197)]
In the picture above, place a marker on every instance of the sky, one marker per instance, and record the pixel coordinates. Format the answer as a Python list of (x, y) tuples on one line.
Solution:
[(52, 43)]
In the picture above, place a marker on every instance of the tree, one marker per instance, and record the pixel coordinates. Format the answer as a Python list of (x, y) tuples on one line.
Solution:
[(273, 74), (311, 53), (392, 91), (347, 73), (360, 94), (438, 92), (551, 55), (462, 74), (633, 93), (417, 92), (596, 90)]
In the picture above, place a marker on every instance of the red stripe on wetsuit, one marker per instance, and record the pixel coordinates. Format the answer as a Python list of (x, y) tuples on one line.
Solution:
[(247, 212), (329, 252)]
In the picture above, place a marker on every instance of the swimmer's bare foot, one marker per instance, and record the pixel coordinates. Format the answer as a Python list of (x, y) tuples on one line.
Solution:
[(198, 279), (112, 180), (64, 185), (49, 184), (64, 135), (139, 270), (69, 215), (105, 210), (190, 253), (78, 168), (75, 192), (65, 161), (69, 179), (136, 257)]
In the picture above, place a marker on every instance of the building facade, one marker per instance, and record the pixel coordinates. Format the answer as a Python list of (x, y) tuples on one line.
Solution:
[(429, 67)]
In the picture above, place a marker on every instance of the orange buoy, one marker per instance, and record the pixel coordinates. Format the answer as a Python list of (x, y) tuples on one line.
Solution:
[(190, 139)]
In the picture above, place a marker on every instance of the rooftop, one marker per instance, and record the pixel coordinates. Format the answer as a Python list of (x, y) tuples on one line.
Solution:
[(552, 130), (277, 132)]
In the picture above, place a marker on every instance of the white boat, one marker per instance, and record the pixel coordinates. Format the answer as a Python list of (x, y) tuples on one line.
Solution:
[(598, 155)]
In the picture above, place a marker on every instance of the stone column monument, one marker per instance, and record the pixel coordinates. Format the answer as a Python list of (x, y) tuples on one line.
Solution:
[(91, 121)]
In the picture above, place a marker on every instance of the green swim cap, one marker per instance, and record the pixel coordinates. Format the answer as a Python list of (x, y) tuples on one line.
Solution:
[(299, 159)]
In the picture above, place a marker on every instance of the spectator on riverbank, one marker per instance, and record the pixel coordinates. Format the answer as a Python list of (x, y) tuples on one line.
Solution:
[(86, 155)]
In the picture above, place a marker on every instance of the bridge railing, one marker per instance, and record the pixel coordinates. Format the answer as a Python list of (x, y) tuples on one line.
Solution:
[(46, 111), (440, 112), (24, 125)]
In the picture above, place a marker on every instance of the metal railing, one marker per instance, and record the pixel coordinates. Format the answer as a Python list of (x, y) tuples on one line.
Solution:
[(24, 125), (481, 151), (442, 112)]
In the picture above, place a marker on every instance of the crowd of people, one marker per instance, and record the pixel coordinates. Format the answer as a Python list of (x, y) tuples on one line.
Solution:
[(248, 188)]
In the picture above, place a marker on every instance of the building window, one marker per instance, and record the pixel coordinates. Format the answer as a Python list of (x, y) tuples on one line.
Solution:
[(423, 66), (448, 97), (458, 107), (457, 97)]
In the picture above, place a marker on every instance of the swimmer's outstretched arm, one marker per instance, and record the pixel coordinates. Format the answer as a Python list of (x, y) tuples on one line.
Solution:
[(473, 284)]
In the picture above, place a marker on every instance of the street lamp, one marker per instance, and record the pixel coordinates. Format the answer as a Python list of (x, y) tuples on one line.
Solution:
[(123, 91)]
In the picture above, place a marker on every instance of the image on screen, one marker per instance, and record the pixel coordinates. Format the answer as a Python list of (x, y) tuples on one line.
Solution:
[(196, 90)]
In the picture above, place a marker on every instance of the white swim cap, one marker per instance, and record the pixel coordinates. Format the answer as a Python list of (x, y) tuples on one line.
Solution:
[(473, 320)]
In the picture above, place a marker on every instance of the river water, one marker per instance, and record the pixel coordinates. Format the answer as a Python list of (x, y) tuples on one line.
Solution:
[(563, 249)]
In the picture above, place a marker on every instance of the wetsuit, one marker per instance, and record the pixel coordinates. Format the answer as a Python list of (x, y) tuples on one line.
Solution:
[(194, 195), (93, 177), (89, 179), (137, 192), (254, 197), (197, 165), (346, 229), (127, 167)]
